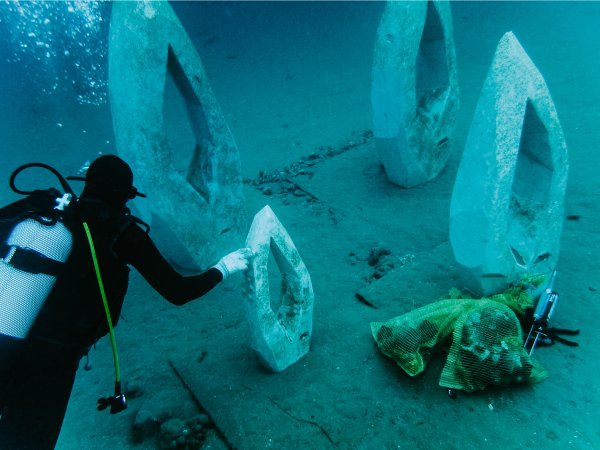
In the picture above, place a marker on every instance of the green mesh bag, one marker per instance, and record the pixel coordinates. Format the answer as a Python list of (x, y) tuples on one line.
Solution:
[(484, 337)]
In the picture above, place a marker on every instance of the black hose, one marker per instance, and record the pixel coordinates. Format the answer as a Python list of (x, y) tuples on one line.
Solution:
[(20, 169)]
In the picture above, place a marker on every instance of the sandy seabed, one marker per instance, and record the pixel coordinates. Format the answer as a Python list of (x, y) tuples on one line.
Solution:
[(294, 79)]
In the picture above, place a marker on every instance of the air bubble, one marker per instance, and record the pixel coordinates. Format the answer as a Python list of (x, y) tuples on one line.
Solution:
[(75, 31)]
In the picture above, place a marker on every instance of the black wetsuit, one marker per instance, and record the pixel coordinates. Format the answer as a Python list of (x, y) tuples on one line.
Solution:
[(37, 373)]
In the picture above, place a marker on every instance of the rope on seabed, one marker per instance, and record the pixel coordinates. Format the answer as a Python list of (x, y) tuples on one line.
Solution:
[(290, 415), (199, 406)]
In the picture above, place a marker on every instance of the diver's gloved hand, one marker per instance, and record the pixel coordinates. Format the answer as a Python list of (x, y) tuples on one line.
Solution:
[(234, 262)]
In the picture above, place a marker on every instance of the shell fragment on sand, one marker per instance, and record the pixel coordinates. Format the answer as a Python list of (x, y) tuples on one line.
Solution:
[(414, 90), (147, 44), (279, 338), (507, 206)]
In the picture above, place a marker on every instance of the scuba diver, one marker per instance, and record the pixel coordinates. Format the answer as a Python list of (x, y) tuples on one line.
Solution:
[(63, 278)]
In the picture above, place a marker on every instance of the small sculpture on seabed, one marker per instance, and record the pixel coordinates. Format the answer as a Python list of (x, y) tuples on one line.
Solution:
[(279, 338)]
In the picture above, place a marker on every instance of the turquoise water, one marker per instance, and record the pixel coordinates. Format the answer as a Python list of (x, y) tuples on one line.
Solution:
[(293, 78)]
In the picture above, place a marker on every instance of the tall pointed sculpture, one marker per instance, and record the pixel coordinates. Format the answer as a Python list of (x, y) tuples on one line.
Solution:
[(279, 338), (198, 215), (414, 91), (507, 206)]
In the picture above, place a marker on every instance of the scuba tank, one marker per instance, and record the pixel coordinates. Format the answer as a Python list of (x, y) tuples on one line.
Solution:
[(24, 282), (31, 258)]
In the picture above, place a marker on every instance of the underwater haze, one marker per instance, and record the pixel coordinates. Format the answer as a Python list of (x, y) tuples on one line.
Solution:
[(294, 79)]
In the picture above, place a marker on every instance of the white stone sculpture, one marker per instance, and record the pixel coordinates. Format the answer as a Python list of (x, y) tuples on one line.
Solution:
[(414, 91), (507, 206), (200, 213), (279, 338)]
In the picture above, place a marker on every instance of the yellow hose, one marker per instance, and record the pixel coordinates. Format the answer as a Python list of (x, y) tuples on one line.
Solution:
[(111, 330)]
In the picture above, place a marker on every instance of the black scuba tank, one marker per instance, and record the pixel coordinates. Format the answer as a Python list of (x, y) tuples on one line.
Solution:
[(31, 258)]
